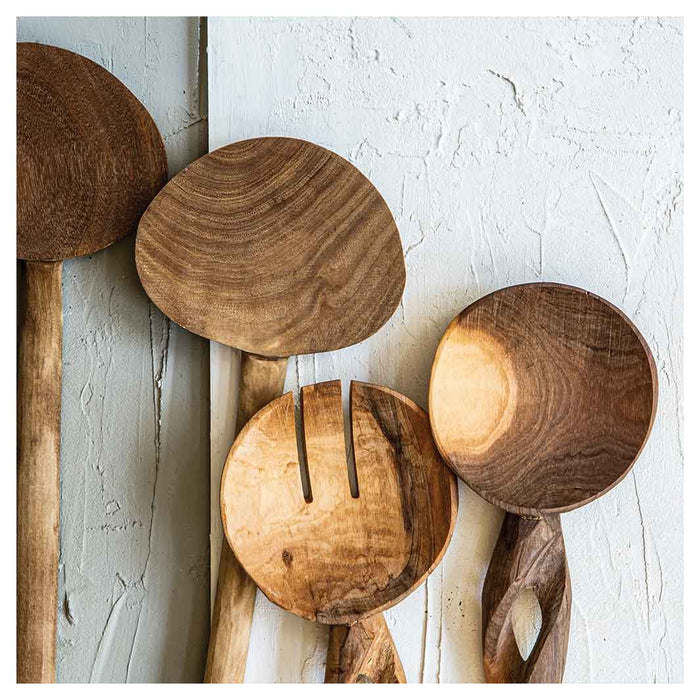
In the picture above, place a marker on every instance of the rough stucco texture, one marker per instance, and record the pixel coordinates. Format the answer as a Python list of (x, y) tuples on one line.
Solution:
[(133, 596), (509, 151)]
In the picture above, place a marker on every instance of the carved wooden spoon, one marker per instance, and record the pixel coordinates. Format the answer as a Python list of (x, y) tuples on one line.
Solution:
[(542, 397), (278, 247), (89, 160), (321, 553)]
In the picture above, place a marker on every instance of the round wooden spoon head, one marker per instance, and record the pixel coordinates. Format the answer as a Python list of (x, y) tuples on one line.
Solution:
[(275, 246), (89, 156), (333, 557), (542, 397)]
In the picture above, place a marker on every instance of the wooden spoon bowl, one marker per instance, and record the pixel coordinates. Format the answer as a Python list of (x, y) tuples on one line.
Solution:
[(89, 156), (326, 555), (275, 246), (542, 397)]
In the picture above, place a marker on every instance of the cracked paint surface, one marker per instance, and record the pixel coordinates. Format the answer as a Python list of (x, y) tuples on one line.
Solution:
[(134, 454), (509, 151)]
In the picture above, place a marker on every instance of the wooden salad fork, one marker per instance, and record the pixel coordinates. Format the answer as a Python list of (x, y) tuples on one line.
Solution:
[(321, 551)]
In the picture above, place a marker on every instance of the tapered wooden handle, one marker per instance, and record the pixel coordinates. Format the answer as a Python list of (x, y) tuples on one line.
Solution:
[(363, 653), (262, 380), (529, 554), (38, 467)]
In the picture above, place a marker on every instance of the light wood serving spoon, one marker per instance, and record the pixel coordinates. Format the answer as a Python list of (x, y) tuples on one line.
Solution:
[(277, 247), (542, 397), (324, 554), (89, 160)]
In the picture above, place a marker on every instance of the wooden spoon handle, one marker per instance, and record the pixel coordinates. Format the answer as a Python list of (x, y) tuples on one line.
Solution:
[(38, 469), (262, 380), (529, 554), (363, 653)]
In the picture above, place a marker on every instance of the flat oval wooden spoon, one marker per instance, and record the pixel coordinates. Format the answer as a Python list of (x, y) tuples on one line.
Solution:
[(89, 160), (278, 247), (542, 397), (327, 555)]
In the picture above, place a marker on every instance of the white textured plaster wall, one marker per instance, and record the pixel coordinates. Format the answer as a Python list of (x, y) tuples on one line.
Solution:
[(509, 150)]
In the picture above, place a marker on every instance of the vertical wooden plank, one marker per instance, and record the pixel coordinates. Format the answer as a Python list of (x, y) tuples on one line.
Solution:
[(133, 593)]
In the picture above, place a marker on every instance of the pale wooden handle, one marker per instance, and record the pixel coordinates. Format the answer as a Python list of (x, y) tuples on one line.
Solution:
[(38, 469), (262, 380), (529, 553), (363, 653)]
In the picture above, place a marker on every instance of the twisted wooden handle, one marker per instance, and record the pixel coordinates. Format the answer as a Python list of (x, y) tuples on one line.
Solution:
[(529, 554), (262, 380), (38, 468), (363, 653)]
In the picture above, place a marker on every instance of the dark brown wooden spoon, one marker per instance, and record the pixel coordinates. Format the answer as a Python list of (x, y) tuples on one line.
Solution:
[(542, 397), (277, 247), (89, 160), (322, 552)]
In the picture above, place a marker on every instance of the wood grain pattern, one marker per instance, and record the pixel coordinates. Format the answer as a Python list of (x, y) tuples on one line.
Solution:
[(38, 465), (335, 558), (541, 397), (262, 380), (89, 156), (530, 554), (363, 653), (231, 622), (89, 159), (274, 246)]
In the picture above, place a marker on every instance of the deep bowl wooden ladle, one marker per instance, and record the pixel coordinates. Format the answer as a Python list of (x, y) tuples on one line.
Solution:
[(542, 397), (89, 160), (278, 247), (324, 554)]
